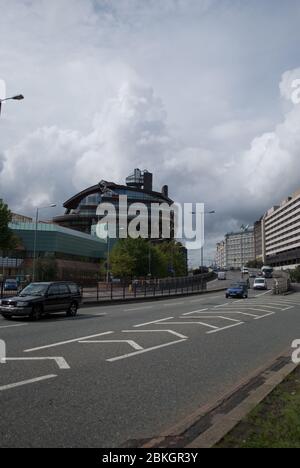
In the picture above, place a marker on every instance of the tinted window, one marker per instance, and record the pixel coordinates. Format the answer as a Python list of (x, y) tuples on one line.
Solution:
[(34, 289), (74, 288), (63, 289), (54, 290)]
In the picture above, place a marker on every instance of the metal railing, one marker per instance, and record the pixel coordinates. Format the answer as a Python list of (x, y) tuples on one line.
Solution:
[(136, 289), (139, 289)]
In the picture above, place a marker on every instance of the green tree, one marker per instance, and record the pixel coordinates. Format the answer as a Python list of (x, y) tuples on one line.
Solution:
[(46, 269), (8, 240), (255, 264), (135, 257), (129, 257), (295, 275)]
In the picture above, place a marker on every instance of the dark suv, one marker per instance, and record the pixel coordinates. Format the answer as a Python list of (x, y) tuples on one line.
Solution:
[(39, 299)]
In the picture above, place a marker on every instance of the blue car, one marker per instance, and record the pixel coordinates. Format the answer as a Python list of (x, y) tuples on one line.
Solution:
[(238, 290), (11, 285)]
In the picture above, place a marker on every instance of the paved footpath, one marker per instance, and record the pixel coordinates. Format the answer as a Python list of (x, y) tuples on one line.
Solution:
[(129, 372)]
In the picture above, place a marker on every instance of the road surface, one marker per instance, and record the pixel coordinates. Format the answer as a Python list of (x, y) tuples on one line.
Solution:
[(124, 373)]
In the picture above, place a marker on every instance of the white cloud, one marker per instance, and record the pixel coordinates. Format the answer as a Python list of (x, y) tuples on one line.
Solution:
[(184, 88)]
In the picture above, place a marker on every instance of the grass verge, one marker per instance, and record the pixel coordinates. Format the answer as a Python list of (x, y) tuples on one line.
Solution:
[(275, 423)]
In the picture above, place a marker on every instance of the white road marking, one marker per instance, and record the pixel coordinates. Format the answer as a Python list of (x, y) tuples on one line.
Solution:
[(60, 343), (60, 361), (263, 294), (148, 350), (193, 323), (259, 307), (263, 316), (179, 335), (221, 305), (27, 382), (202, 298), (236, 312), (225, 328), (131, 343), (153, 322), (174, 304), (103, 314), (230, 319), (194, 312), (17, 325), (138, 308), (275, 306)]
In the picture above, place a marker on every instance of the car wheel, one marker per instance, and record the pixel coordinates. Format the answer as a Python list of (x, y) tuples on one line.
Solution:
[(36, 312), (72, 311)]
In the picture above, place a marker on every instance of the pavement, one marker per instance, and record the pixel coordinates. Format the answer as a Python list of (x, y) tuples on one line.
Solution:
[(118, 375)]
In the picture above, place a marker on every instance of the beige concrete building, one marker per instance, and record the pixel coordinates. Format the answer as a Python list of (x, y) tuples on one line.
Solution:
[(281, 233), (236, 250)]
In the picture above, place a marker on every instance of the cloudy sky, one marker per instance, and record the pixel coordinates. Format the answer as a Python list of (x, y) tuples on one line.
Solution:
[(197, 91)]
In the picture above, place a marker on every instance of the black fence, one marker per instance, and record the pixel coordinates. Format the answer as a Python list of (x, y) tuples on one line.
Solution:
[(142, 288), (145, 288)]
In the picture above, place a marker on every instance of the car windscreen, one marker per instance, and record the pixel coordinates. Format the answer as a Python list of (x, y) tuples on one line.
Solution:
[(34, 289), (236, 286), (260, 281)]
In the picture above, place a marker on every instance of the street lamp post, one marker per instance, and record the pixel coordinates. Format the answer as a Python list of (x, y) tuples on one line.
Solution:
[(202, 248), (19, 97), (35, 237)]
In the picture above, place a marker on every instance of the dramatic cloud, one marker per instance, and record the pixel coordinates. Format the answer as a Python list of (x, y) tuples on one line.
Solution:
[(185, 89)]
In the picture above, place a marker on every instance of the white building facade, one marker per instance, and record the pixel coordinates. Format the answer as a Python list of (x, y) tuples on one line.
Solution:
[(281, 233), (236, 250)]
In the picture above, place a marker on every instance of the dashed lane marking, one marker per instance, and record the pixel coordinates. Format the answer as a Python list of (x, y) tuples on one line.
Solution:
[(60, 343), (193, 323), (60, 361), (153, 322), (11, 326), (179, 335), (148, 350), (27, 382), (225, 328), (194, 312), (131, 343), (138, 308)]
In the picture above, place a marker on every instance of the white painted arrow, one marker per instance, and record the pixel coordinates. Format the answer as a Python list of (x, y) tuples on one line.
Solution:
[(60, 361)]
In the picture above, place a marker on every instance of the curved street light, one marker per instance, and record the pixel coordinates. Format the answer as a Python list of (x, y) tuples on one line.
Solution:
[(18, 97)]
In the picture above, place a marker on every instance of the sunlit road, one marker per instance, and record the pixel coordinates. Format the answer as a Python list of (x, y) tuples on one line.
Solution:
[(129, 372)]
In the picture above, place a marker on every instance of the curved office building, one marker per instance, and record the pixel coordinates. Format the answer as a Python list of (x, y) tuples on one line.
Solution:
[(81, 209)]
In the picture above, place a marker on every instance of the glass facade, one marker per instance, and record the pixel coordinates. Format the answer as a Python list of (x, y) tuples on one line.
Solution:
[(59, 241)]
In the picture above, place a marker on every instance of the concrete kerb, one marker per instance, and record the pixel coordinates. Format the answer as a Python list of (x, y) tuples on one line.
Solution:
[(248, 394)]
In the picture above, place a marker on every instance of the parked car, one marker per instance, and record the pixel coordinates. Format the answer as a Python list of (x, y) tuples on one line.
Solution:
[(39, 299), (11, 285), (238, 290), (252, 275), (260, 283)]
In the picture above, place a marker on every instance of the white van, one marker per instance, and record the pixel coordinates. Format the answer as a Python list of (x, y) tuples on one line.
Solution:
[(222, 275)]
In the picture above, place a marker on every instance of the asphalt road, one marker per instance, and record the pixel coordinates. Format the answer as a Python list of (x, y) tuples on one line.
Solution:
[(129, 372)]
